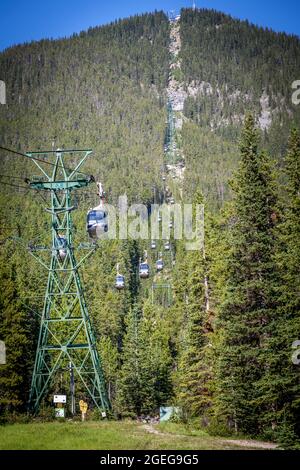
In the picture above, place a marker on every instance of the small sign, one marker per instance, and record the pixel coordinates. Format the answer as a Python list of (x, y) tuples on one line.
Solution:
[(59, 412), (167, 412), (103, 414), (83, 408), (60, 399)]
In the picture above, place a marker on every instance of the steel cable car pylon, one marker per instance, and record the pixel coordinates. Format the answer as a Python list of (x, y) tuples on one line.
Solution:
[(66, 337)]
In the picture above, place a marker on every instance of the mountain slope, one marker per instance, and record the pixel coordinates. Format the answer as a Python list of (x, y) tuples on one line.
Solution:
[(162, 104), (100, 89), (236, 66)]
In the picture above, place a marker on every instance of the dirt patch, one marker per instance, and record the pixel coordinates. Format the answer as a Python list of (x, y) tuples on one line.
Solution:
[(152, 430), (253, 444), (237, 442)]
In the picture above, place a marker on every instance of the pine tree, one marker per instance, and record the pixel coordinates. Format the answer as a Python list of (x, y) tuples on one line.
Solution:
[(193, 371), (15, 324), (155, 360), (248, 302), (110, 360), (129, 401), (281, 383), (145, 382)]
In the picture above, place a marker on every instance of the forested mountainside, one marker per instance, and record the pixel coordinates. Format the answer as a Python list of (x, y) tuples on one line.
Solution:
[(229, 67), (105, 89), (101, 89), (232, 65), (218, 342)]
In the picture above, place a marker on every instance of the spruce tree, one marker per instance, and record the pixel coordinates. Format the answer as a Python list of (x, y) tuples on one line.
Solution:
[(155, 360), (15, 324), (110, 360), (248, 301), (145, 382), (129, 399), (280, 385), (193, 370)]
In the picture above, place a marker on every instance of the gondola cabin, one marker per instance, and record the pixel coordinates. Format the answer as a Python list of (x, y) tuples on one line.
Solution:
[(153, 245), (61, 246), (97, 222), (144, 270), (120, 282), (159, 265)]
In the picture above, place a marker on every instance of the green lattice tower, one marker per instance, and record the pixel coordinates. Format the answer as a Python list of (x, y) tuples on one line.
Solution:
[(66, 337)]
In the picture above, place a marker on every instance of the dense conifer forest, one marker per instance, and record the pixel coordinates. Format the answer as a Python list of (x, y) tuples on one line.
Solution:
[(221, 350)]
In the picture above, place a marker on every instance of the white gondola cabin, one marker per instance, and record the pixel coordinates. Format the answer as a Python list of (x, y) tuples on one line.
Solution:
[(120, 282), (97, 218), (61, 246), (144, 270), (97, 222), (159, 265)]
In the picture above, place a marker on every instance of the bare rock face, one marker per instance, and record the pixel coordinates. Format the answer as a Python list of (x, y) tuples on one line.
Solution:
[(265, 119), (177, 95), (2, 353), (176, 92)]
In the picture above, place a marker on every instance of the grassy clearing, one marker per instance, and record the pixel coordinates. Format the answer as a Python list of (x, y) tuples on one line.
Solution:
[(120, 435)]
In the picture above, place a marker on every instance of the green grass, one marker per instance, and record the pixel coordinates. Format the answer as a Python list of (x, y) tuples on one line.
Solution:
[(109, 435)]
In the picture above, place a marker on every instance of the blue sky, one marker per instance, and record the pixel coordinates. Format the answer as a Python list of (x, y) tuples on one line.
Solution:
[(23, 20)]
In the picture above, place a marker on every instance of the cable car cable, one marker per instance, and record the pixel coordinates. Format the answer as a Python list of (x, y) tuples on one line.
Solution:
[(38, 160), (13, 177), (23, 187), (15, 185), (28, 188)]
